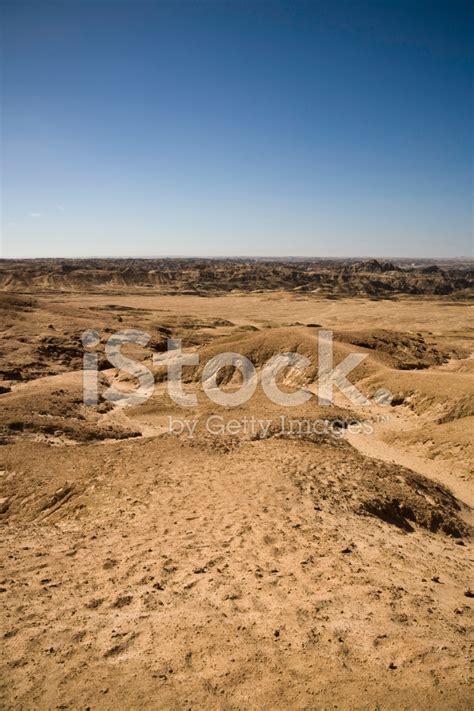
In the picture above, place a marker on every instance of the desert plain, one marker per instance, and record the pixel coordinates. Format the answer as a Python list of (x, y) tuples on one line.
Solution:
[(240, 567)]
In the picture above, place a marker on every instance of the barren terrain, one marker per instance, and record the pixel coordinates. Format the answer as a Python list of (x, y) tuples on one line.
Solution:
[(252, 567)]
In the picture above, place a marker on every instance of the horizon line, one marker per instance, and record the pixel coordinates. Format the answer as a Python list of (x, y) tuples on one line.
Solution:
[(241, 257)]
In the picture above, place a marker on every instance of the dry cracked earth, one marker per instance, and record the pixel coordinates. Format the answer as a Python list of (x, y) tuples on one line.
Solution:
[(247, 566)]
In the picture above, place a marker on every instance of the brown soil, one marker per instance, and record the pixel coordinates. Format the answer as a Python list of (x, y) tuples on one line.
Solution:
[(251, 569)]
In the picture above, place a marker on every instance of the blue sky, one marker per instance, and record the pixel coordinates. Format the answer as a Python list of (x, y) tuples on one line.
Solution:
[(237, 128)]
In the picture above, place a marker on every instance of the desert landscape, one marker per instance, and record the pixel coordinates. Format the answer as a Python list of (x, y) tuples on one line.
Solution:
[(152, 564)]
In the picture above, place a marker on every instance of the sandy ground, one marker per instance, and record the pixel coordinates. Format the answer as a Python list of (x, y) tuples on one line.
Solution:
[(238, 570)]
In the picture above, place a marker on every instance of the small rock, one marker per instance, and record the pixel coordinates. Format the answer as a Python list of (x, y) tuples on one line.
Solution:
[(4, 504), (122, 601), (348, 549), (109, 564), (95, 603)]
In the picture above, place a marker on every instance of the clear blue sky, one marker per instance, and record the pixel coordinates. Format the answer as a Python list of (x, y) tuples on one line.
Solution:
[(237, 128)]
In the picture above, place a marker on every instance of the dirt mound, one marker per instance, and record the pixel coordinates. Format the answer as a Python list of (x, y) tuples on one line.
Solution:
[(463, 408), (15, 304), (405, 351), (394, 494), (54, 413), (262, 346), (405, 499)]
